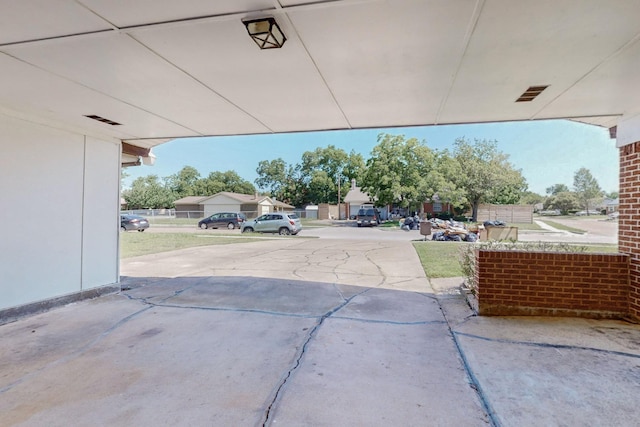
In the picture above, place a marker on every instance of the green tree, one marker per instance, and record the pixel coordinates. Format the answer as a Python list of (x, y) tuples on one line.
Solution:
[(282, 181), (586, 188), (148, 193), (486, 174), (612, 195), (336, 165), (272, 175), (531, 198), (402, 172), (223, 181), (557, 188), (184, 182), (565, 202), (322, 188)]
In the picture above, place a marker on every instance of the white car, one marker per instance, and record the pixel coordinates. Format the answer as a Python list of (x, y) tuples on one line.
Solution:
[(277, 222)]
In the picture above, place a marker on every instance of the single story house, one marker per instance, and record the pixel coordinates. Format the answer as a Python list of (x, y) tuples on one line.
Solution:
[(189, 207), (354, 199), (252, 205)]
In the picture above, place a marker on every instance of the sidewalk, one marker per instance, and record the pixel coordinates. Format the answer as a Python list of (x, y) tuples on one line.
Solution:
[(542, 371)]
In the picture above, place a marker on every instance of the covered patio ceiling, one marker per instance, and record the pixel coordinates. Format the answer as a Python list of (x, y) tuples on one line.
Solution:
[(154, 70)]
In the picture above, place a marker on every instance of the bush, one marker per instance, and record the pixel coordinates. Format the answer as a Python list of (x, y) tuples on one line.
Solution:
[(467, 254), (444, 216)]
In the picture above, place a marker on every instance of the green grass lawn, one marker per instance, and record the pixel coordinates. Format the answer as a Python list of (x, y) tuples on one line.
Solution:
[(440, 259), (136, 244)]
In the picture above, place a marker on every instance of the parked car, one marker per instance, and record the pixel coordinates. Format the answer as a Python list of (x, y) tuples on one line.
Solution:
[(584, 213), (368, 217), (133, 222), (277, 222), (228, 220)]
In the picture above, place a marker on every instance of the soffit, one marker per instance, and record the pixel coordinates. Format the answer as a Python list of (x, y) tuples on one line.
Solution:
[(166, 69)]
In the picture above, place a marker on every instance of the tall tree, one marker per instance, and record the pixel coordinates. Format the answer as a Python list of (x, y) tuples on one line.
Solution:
[(223, 181), (184, 182), (338, 168), (401, 172), (147, 192), (557, 188), (531, 198), (565, 202), (586, 187), (486, 173), (272, 175)]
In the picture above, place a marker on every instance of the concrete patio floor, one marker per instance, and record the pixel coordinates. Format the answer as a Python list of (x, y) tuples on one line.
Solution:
[(308, 332)]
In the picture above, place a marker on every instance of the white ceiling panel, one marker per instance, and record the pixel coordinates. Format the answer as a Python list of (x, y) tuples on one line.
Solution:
[(279, 87), (389, 63), (517, 45), (22, 20), (125, 13), (119, 66), (613, 86), (167, 69), (32, 90)]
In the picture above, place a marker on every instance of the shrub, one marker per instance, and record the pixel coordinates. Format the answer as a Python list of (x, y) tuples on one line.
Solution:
[(467, 254)]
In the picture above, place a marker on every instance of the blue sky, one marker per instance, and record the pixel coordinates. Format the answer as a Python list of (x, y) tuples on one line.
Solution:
[(548, 152)]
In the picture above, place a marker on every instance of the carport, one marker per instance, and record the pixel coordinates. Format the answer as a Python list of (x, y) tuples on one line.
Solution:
[(91, 85)]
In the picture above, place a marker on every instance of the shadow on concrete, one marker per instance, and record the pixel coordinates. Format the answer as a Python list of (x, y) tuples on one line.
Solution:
[(237, 351)]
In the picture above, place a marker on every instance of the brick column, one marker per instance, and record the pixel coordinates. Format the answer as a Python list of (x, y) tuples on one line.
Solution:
[(629, 219)]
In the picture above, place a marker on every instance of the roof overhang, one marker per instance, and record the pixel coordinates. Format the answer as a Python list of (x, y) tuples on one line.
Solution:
[(145, 75)]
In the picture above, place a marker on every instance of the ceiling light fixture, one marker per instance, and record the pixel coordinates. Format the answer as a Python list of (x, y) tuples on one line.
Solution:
[(265, 32)]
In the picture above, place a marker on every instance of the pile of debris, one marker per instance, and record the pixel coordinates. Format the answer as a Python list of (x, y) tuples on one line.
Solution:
[(454, 231)]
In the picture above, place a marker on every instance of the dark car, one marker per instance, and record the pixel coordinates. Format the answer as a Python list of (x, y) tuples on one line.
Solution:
[(228, 220), (133, 222), (368, 217)]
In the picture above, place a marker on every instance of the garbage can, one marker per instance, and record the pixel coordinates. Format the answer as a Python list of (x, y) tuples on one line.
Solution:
[(425, 228)]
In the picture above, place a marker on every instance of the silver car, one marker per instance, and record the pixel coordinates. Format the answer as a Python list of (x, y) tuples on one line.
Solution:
[(278, 222)]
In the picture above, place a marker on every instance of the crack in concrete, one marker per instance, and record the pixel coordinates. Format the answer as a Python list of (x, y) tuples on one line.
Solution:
[(474, 383), (392, 322), (550, 346), (298, 360)]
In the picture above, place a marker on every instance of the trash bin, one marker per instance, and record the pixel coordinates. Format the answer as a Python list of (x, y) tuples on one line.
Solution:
[(425, 228)]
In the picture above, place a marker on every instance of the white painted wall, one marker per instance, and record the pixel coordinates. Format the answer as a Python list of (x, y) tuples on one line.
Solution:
[(220, 203), (58, 217)]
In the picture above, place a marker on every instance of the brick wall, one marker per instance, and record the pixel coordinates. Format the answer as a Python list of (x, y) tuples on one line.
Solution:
[(629, 219), (552, 284)]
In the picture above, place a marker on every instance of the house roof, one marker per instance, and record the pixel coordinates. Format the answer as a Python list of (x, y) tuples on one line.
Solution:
[(190, 200), (242, 198), (355, 195), (280, 204)]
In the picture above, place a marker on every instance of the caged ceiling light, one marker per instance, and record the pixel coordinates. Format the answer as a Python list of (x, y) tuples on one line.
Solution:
[(266, 33)]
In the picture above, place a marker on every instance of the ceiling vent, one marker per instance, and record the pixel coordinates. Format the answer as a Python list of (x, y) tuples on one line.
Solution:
[(531, 93), (103, 120)]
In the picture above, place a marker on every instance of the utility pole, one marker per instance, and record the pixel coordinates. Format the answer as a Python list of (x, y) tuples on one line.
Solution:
[(338, 196)]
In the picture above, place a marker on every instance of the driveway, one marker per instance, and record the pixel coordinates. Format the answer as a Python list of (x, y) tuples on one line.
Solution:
[(289, 331), (308, 332)]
